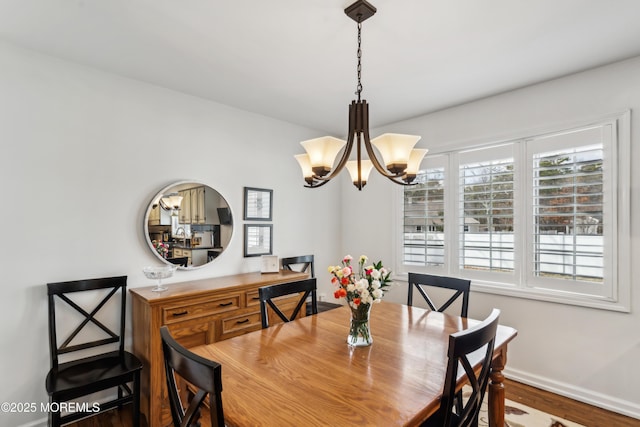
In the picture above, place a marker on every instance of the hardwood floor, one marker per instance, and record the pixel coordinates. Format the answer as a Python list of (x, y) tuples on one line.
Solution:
[(566, 408), (548, 402)]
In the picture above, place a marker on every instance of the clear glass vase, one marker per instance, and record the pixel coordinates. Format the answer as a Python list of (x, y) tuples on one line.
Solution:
[(359, 331)]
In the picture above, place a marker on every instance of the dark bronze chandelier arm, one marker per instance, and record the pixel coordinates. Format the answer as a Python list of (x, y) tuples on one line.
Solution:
[(347, 149), (316, 184), (369, 148)]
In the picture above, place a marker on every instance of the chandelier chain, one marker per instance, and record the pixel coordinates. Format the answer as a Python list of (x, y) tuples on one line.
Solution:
[(359, 68)]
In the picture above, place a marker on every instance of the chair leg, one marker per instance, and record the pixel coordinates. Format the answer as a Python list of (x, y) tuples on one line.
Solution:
[(135, 415), (54, 416)]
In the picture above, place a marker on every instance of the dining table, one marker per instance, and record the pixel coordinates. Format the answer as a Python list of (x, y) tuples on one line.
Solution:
[(303, 373)]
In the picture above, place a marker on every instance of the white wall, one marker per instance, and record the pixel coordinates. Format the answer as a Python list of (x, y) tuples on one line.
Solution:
[(83, 152), (585, 353)]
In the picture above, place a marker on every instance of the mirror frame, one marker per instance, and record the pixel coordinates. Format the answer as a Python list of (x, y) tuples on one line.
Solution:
[(156, 200)]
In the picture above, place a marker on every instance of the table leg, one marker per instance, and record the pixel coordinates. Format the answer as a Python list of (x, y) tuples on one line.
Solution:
[(496, 390)]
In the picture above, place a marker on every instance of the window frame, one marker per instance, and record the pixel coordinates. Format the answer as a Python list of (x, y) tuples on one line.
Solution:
[(617, 261)]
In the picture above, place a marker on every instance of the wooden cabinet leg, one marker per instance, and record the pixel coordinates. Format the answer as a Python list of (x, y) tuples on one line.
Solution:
[(496, 390)]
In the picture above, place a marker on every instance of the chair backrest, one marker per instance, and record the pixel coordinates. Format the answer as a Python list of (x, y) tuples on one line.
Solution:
[(112, 286), (304, 288), (460, 286), (202, 373), (303, 263), (461, 344), (181, 261)]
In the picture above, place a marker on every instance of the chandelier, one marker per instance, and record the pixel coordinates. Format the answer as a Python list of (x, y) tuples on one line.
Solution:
[(401, 160)]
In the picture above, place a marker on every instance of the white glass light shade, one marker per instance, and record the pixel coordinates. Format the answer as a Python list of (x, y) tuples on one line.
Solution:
[(415, 159), (322, 152), (172, 200), (395, 148), (352, 167), (305, 165)]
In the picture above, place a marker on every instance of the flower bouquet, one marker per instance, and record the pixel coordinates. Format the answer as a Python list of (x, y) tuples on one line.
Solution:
[(161, 248), (361, 288)]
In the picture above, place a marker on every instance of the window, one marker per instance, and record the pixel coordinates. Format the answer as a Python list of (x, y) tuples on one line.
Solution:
[(486, 209), (424, 222), (544, 216)]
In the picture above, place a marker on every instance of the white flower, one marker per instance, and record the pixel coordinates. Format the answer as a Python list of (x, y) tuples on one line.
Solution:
[(375, 274), (364, 294), (377, 294), (351, 287), (362, 284), (375, 284)]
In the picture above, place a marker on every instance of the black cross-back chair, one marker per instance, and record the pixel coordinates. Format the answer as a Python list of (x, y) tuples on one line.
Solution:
[(202, 373), (182, 261), (461, 345), (269, 294), (303, 264), (460, 286), (90, 374)]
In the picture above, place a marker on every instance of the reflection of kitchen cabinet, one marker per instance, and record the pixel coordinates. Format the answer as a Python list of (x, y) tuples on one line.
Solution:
[(185, 207), (179, 253), (204, 206), (197, 312), (199, 206), (159, 216), (196, 256)]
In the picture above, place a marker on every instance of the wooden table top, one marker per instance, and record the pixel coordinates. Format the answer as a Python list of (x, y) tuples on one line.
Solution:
[(304, 373), (229, 283)]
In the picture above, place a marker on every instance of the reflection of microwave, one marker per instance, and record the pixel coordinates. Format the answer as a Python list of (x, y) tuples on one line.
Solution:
[(224, 214)]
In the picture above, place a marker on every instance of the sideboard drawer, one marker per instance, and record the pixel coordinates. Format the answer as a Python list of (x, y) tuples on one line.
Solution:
[(240, 324), (201, 308), (190, 333), (253, 298)]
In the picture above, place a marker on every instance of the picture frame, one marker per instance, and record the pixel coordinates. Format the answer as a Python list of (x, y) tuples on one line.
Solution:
[(258, 239), (258, 204)]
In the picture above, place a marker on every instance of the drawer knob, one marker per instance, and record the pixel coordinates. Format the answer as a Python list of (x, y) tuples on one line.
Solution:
[(226, 304), (182, 313), (242, 321)]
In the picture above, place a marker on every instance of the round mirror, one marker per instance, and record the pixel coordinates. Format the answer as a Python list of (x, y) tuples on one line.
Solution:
[(188, 224)]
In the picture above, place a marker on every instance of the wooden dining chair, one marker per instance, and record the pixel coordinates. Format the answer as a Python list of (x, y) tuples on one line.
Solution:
[(201, 373), (269, 297), (303, 264), (460, 286), (82, 376), (461, 345)]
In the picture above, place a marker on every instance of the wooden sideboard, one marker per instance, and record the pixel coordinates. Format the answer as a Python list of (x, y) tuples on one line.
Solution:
[(196, 312)]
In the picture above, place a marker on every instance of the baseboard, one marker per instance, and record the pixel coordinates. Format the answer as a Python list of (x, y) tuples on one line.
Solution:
[(590, 397)]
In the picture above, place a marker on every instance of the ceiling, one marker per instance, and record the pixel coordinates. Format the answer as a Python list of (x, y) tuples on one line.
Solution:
[(295, 60)]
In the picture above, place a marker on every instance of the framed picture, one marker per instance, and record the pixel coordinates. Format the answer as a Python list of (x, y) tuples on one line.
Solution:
[(258, 204), (258, 239)]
